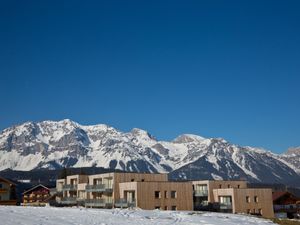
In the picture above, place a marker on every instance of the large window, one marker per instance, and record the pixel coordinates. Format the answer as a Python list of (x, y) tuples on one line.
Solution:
[(200, 187), (173, 207), (157, 194), (255, 199), (225, 200), (200, 190)]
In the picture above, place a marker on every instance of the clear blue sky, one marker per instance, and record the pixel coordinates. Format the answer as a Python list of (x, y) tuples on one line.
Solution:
[(226, 69)]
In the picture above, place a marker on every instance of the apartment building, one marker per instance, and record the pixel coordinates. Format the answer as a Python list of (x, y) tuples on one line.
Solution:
[(71, 191), (7, 192), (232, 197), (154, 191), (100, 190)]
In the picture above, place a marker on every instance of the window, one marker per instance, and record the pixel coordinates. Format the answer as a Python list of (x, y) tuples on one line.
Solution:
[(220, 185), (247, 199), (238, 186), (255, 199), (228, 186), (173, 207), (166, 207), (225, 200), (157, 194), (1, 185), (132, 180), (157, 207), (200, 190), (143, 180), (173, 194), (166, 194)]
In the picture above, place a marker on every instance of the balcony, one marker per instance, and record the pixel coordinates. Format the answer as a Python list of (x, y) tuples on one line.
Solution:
[(3, 190), (225, 206), (287, 208), (103, 203), (124, 203), (69, 201), (98, 188), (200, 193), (69, 187)]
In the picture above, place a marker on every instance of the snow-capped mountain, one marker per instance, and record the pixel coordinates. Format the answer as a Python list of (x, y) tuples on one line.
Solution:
[(51, 144)]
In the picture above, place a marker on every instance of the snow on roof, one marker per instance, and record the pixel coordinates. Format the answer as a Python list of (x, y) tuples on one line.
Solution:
[(39, 185)]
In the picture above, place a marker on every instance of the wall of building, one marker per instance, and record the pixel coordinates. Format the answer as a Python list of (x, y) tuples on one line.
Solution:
[(217, 184), (79, 179), (264, 205), (135, 177), (4, 191), (145, 194)]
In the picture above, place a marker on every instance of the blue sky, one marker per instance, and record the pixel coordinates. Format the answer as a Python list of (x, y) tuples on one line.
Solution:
[(226, 69)]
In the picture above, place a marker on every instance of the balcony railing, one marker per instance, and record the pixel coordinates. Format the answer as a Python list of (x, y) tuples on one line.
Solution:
[(226, 206), (69, 200), (69, 187), (200, 193), (124, 203), (98, 188), (98, 203), (3, 190), (286, 207)]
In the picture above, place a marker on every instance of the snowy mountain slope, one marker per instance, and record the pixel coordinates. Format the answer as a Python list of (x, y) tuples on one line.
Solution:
[(50, 144), (292, 156)]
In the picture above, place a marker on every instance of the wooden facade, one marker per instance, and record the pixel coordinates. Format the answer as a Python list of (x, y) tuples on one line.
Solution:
[(218, 184), (154, 191), (36, 196), (286, 205), (7, 192), (159, 195), (254, 201)]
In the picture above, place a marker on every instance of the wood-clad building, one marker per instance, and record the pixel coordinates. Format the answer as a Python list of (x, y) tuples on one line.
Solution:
[(154, 191), (7, 192), (286, 205), (38, 195), (162, 195), (203, 191), (254, 201)]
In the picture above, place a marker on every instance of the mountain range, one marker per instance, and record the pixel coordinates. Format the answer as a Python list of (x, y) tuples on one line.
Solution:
[(65, 143)]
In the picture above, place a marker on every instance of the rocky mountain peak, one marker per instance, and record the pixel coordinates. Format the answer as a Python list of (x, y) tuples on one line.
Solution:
[(65, 143), (186, 138), (293, 150)]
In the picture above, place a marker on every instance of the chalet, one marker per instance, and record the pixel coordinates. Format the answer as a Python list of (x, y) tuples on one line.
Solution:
[(7, 192), (36, 196), (286, 205)]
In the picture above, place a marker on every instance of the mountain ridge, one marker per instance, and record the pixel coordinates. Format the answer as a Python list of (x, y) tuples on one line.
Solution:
[(65, 143)]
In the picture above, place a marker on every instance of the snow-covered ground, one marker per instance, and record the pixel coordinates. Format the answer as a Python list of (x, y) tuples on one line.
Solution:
[(12, 215)]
